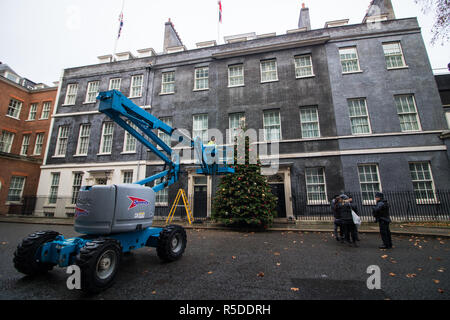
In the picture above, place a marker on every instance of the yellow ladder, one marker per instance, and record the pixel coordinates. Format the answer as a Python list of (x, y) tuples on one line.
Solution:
[(181, 194)]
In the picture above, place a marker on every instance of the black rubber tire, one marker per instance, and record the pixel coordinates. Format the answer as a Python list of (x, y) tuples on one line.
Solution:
[(166, 249), (25, 257), (88, 260)]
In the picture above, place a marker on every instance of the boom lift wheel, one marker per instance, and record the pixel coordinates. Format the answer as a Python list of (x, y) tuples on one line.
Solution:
[(27, 254), (171, 243), (99, 261)]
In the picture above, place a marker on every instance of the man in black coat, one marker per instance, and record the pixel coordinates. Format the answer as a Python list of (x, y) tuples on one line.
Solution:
[(337, 219), (381, 214), (345, 210)]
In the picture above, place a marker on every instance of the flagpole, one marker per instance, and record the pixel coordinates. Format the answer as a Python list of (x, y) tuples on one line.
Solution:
[(219, 21), (117, 37)]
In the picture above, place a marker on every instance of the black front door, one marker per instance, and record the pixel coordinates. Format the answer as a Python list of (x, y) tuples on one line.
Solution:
[(278, 190), (200, 201)]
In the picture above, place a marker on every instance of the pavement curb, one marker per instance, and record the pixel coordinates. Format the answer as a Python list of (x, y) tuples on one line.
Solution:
[(69, 222)]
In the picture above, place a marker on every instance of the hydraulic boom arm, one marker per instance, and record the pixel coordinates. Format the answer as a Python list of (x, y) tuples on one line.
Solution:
[(125, 113)]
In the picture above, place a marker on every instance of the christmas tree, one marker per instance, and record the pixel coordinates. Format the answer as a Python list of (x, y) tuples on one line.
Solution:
[(244, 199)]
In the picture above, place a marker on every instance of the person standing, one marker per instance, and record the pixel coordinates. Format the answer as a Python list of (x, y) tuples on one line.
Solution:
[(355, 209), (337, 218), (345, 209), (381, 214)]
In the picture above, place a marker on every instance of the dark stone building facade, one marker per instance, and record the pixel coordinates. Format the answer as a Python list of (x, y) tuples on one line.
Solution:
[(350, 108)]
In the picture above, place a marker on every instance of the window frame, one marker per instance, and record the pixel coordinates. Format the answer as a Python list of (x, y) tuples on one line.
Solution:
[(432, 200), (316, 109), (11, 136), (264, 124), (46, 108), (128, 138), (82, 135), (162, 135), (54, 188), (419, 125), (124, 176), (401, 52), (102, 140), (357, 60), (370, 201), (265, 72), (63, 139), (324, 184), (204, 132), (231, 129), (8, 199), (204, 78), (26, 138), (110, 87), (40, 144), (241, 65), (33, 111), (17, 108), (76, 187), (71, 94), (359, 116), (303, 67), (133, 86), (167, 84), (91, 93)]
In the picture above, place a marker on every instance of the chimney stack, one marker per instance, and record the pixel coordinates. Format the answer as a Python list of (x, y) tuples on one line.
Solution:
[(304, 20), (380, 9), (171, 37)]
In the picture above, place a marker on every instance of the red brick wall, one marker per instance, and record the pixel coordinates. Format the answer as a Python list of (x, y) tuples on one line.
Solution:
[(28, 166)]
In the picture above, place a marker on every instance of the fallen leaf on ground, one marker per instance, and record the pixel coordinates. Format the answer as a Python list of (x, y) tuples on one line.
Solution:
[(441, 242), (384, 256), (277, 253), (261, 274), (153, 292), (441, 270), (438, 259), (436, 281), (392, 274), (411, 275), (440, 290), (3, 243), (419, 269), (393, 261), (233, 257), (278, 264), (210, 272), (294, 289)]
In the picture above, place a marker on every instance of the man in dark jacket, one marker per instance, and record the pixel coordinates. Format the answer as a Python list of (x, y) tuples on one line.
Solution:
[(381, 214), (337, 219), (354, 208), (345, 210)]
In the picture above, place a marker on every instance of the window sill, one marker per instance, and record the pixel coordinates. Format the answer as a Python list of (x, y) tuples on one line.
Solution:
[(135, 97), (29, 120), (42, 119), (89, 102), (79, 155), (49, 205), (128, 152), (398, 68), (269, 81), (13, 117), (103, 154), (15, 203), (166, 93), (306, 77), (352, 72), (206, 89), (60, 157), (237, 86), (318, 203), (67, 105)]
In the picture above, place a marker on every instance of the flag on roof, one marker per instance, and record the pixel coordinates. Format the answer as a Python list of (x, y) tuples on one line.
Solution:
[(121, 24), (220, 11)]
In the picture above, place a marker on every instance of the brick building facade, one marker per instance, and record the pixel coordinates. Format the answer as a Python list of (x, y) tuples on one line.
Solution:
[(25, 112)]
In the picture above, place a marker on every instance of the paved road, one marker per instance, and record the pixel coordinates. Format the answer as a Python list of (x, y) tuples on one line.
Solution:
[(234, 265)]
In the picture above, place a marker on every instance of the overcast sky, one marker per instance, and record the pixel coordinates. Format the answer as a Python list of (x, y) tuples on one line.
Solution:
[(39, 38)]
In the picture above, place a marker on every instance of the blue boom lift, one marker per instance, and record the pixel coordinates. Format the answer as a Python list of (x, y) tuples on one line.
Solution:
[(116, 219)]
